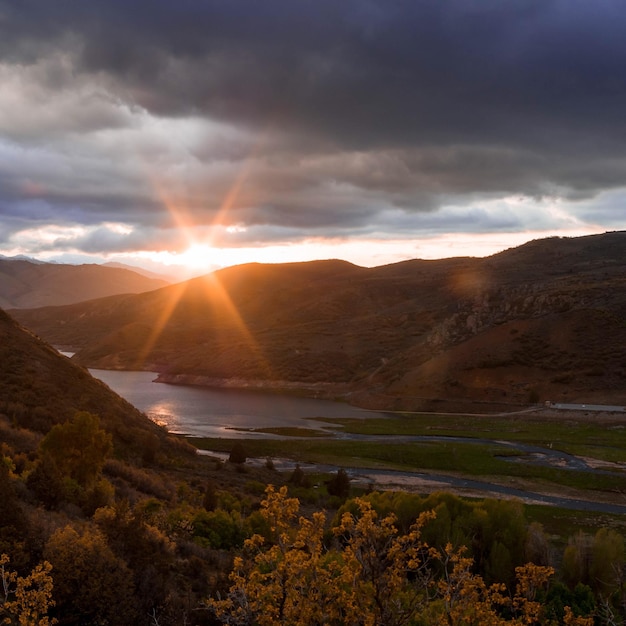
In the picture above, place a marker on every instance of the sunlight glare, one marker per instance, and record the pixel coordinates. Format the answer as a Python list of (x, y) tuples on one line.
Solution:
[(199, 256)]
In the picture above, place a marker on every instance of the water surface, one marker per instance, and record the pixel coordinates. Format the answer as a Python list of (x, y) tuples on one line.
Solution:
[(206, 412)]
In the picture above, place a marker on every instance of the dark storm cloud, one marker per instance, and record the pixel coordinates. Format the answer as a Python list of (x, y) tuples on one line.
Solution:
[(360, 73), (349, 109)]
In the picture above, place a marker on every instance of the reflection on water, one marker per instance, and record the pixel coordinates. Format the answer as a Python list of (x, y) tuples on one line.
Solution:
[(204, 412)]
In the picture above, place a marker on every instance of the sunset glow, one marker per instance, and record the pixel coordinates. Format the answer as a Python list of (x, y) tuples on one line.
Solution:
[(202, 258)]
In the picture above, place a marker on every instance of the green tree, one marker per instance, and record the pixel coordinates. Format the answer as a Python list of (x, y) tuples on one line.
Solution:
[(606, 567), (78, 448), (576, 560), (559, 596), (339, 484), (218, 529)]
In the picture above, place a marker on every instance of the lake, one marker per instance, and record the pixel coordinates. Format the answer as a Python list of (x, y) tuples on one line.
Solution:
[(228, 413)]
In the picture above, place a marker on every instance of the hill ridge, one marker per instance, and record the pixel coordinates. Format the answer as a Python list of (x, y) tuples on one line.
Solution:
[(543, 321), (29, 284)]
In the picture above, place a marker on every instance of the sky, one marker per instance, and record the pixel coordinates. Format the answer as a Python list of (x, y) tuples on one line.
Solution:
[(189, 135)]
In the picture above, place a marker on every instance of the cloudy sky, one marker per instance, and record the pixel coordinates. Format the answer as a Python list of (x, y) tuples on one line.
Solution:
[(206, 133)]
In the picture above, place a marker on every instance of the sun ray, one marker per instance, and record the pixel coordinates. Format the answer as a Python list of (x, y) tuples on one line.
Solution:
[(161, 322), (215, 296), (214, 285), (214, 289)]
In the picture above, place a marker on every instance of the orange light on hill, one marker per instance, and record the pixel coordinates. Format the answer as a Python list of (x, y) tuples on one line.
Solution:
[(208, 297)]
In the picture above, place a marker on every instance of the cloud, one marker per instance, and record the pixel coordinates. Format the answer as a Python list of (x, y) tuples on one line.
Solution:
[(310, 118)]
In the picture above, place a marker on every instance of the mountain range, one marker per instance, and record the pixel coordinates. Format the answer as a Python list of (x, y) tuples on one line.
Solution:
[(27, 283), (542, 322)]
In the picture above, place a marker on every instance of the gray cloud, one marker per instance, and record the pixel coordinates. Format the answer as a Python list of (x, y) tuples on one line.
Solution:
[(309, 117)]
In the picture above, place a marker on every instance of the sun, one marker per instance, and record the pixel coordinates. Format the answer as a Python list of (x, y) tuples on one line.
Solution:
[(199, 256)]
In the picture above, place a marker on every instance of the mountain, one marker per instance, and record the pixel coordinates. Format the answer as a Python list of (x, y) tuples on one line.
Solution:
[(138, 270), (25, 283), (40, 388), (23, 257), (544, 321)]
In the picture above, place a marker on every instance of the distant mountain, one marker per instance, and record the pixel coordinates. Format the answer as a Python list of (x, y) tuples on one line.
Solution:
[(545, 321), (23, 257), (139, 270), (28, 283)]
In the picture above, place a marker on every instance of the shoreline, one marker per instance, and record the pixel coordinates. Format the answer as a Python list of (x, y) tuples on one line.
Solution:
[(345, 392), (340, 392)]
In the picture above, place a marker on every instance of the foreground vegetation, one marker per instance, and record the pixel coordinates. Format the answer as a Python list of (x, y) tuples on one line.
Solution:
[(87, 538), (375, 574)]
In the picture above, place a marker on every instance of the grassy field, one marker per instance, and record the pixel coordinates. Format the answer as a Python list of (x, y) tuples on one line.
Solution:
[(603, 441), (580, 436)]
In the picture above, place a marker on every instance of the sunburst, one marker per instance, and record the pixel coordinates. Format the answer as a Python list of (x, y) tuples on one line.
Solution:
[(215, 292)]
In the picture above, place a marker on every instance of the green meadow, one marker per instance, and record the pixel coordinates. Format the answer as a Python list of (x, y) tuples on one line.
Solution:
[(500, 458)]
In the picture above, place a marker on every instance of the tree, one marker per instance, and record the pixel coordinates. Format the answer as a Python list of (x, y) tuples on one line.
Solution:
[(290, 581), (218, 529), (607, 562), (536, 546), (143, 547), (298, 478), (13, 522), (78, 448), (47, 483), (339, 485), (92, 585), (576, 560), (296, 581), (377, 562), (25, 600)]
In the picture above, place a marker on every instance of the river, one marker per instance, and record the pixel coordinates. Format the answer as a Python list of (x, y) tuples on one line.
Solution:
[(227, 413)]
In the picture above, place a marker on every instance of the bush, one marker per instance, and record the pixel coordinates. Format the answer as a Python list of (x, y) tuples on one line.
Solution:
[(218, 529)]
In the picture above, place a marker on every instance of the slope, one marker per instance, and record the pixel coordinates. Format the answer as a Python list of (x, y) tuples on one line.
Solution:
[(545, 321), (26, 284), (40, 388)]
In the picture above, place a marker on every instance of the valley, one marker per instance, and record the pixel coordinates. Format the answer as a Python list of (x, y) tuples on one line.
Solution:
[(498, 389), (582, 466)]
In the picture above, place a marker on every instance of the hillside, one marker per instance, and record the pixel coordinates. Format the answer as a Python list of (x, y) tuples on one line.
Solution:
[(112, 501), (544, 321), (26, 283), (40, 388)]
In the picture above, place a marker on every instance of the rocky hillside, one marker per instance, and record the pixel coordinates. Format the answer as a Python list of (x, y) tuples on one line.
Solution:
[(545, 321), (26, 284)]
